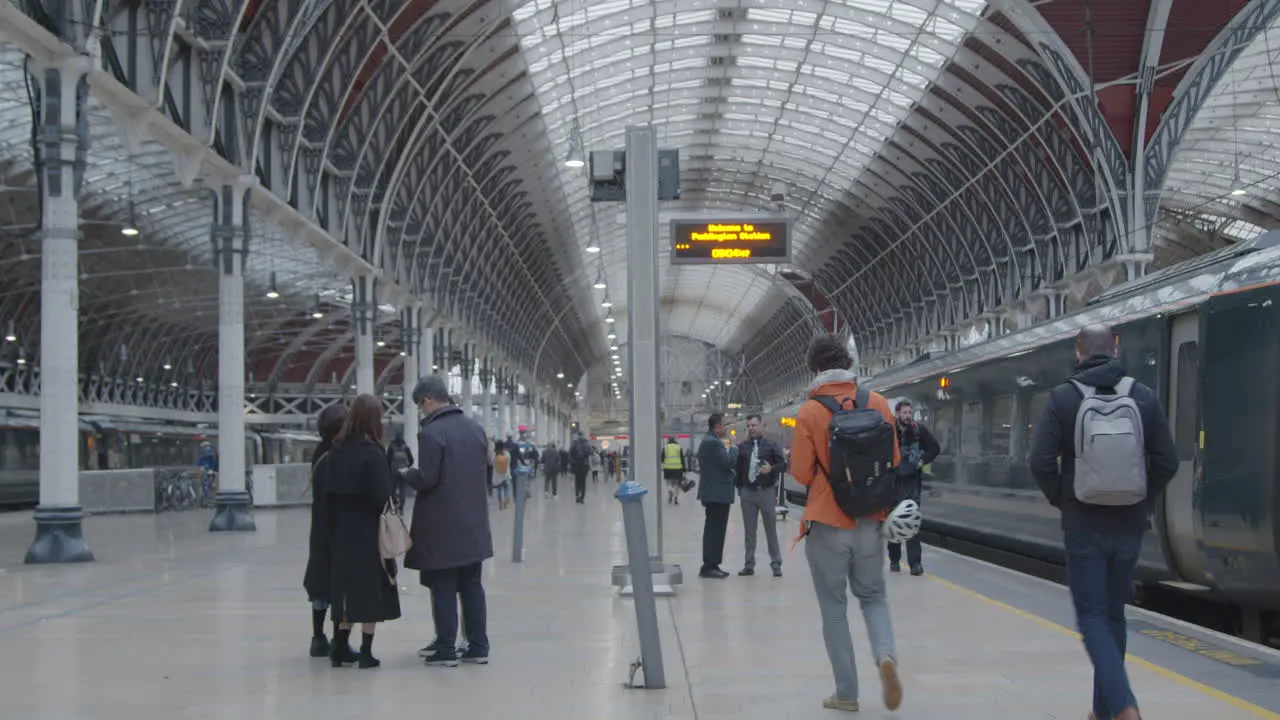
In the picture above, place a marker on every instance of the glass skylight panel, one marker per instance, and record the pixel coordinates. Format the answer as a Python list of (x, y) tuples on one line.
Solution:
[(838, 51), (911, 15), (770, 40)]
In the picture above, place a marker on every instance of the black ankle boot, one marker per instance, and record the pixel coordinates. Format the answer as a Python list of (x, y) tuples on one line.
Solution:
[(367, 660), (319, 646), (341, 653)]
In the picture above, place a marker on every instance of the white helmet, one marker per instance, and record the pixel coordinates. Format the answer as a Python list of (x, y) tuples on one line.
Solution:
[(903, 522)]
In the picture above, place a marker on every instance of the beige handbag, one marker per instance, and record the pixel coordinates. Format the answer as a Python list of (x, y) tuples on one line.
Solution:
[(393, 534)]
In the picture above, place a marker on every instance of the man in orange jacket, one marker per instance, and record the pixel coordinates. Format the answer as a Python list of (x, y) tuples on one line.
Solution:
[(842, 550)]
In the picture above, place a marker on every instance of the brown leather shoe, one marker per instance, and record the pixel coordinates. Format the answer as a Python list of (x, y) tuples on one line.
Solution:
[(891, 685)]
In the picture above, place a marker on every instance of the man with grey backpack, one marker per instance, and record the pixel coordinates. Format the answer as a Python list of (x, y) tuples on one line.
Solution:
[(1102, 453)]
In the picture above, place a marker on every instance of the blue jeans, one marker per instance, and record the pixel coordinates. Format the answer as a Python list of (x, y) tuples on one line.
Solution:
[(1100, 567)]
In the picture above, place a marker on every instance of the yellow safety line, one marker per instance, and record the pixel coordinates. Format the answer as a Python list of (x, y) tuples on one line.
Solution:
[(1146, 664)]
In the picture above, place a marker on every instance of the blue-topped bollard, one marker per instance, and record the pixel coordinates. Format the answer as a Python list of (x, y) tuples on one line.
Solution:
[(631, 495)]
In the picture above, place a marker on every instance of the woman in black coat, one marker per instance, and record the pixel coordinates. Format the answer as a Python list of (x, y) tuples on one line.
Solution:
[(354, 482), (316, 579)]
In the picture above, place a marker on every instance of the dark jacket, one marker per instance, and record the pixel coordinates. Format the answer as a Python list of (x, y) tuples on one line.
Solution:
[(768, 452), (564, 460), (580, 455), (316, 578), (451, 515), (1053, 442), (551, 461), (919, 448), (354, 484), (399, 455), (715, 469)]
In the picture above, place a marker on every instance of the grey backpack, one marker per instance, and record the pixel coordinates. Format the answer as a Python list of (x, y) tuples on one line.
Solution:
[(1111, 457)]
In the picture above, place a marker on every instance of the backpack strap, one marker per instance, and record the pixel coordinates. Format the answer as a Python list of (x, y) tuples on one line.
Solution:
[(828, 402), (862, 398), (1124, 386), (1087, 391)]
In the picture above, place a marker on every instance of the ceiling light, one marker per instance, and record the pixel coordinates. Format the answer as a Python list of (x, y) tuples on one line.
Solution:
[(615, 357), (728, 382), (381, 343), (22, 360), (609, 319), (401, 353), (167, 366), (613, 348), (11, 335), (560, 376), (600, 285), (140, 380), (317, 314), (612, 335), (593, 247), (173, 384), (272, 293)]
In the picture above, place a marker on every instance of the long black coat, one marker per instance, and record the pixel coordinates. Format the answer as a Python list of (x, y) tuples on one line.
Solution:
[(451, 515), (354, 484), (316, 579)]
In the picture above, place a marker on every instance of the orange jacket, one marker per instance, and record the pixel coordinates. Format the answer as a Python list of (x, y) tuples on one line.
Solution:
[(810, 444)]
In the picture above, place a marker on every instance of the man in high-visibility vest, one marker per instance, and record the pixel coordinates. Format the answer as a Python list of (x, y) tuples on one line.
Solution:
[(673, 469)]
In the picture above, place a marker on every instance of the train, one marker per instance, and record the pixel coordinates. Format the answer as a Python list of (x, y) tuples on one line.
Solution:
[(1205, 334), (114, 443)]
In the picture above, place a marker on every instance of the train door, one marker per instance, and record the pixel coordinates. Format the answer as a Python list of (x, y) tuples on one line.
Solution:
[(1177, 509)]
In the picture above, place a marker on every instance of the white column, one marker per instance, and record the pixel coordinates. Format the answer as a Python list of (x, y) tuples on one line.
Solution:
[(59, 534), (486, 398), (409, 331), (468, 377), (230, 245), (426, 350), (363, 315)]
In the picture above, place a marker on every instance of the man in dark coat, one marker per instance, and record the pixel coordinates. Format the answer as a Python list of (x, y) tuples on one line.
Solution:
[(919, 448), (715, 490), (450, 532), (1102, 542), (551, 467), (580, 463)]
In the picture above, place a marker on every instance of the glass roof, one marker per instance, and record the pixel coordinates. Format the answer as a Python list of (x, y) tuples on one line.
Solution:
[(166, 271), (1236, 130), (752, 96)]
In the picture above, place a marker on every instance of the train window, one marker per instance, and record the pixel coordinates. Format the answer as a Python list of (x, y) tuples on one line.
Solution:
[(1188, 397), (1039, 399), (1000, 438), (971, 429), (944, 428)]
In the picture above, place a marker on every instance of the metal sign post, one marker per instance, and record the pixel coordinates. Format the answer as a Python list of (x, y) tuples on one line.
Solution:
[(642, 319)]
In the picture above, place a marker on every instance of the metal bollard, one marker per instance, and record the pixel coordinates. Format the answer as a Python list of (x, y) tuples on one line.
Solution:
[(631, 495), (517, 536)]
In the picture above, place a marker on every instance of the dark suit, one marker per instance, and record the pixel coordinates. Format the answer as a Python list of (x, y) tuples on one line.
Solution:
[(715, 490)]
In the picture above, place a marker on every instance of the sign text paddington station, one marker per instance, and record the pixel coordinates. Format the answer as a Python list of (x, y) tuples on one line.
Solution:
[(764, 240)]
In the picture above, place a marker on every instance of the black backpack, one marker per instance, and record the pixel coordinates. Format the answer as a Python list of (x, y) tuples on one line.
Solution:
[(862, 476)]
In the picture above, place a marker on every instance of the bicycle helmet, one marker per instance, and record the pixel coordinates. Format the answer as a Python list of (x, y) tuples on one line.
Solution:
[(903, 522)]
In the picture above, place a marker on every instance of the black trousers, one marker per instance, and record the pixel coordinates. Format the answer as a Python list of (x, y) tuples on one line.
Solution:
[(713, 530), (447, 588), (580, 484), (908, 488), (551, 483)]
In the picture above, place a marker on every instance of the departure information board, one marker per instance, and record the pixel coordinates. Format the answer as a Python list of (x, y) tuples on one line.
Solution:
[(743, 240)]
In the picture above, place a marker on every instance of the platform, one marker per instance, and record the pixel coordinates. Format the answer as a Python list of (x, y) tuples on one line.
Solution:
[(175, 622)]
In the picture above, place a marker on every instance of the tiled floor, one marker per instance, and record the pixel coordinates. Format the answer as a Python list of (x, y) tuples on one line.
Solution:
[(173, 622)]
